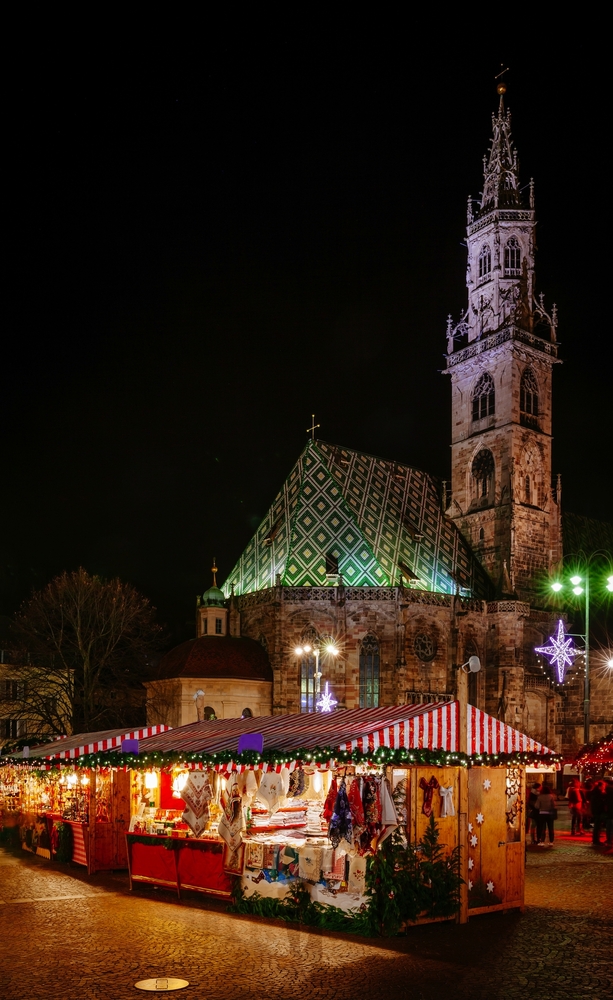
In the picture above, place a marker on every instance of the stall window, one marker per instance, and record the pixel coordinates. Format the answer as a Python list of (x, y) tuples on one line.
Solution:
[(369, 672)]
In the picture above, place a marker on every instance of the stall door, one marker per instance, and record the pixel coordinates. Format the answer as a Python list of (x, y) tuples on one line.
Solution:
[(487, 837), (121, 816)]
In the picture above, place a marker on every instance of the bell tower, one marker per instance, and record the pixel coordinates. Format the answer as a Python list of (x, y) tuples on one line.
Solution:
[(500, 356)]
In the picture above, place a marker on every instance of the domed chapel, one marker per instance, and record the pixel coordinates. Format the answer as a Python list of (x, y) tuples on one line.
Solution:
[(378, 579)]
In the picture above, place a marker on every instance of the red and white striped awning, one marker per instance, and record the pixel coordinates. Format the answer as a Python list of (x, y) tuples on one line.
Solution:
[(433, 726), (82, 743), (436, 727)]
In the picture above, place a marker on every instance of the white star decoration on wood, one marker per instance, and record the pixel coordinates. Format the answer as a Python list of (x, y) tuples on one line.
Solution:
[(470, 885), (473, 841), (470, 828), (490, 887), (479, 817), (471, 864), (487, 784)]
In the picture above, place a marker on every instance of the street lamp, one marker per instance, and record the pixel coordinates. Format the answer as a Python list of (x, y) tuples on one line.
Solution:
[(581, 587), (316, 649)]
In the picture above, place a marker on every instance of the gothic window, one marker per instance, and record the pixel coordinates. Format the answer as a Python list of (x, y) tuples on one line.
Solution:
[(483, 472), (369, 672), (484, 397), (527, 490), (481, 534), (529, 394), (512, 257), (308, 681), (485, 261), (424, 646)]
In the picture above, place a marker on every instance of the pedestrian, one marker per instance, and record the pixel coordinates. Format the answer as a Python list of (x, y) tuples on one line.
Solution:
[(588, 785), (575, 803), (597, 799), (547, 813), (608, 799), (532, 813)]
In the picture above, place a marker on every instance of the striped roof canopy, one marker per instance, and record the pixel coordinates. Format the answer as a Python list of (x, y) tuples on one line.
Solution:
[(372, 521), (68, 747), (433, 727)]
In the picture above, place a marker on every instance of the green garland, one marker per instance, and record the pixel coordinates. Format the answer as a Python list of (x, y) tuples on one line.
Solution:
[(381, 757)]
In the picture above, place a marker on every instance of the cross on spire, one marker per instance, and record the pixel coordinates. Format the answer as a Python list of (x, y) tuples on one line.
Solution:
[(311, 430)]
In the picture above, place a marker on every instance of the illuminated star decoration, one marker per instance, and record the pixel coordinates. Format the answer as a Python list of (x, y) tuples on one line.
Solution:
[(326, 703), (560, 653), (490, 886)]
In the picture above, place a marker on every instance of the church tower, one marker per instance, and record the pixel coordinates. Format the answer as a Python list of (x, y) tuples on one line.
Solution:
[(500, 357)]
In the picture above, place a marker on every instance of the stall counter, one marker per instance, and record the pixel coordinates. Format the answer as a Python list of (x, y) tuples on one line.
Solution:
[(178, 863)]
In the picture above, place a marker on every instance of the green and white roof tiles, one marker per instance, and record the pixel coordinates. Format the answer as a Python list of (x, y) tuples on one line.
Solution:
[(364, 512)]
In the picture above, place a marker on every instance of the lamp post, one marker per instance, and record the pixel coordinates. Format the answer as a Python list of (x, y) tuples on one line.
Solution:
[(581, 586), (316, 649)]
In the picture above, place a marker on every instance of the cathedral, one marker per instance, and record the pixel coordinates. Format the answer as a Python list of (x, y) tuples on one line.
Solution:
[(376, 579)]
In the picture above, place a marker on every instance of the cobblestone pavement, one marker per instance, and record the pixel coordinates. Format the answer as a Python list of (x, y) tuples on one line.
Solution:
[(69, 937)]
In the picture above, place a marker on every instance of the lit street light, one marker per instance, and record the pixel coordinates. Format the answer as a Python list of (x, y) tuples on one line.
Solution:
[(581, 586), (316, 649)]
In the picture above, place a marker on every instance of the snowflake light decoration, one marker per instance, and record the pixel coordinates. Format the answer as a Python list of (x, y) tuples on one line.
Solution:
[(490, 886), (561, 652), (473, 840), (327, 702), (487, 784), (479, 818)]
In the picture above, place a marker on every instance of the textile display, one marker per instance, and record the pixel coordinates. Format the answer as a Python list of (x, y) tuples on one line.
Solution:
[(428, 788), (197, 795), (254, 856), (232, 821), (447, 806), (356, 878), (271, 791), (340, 824)]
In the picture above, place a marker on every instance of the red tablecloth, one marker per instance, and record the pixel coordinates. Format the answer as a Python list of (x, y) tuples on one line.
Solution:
[(186, 864)]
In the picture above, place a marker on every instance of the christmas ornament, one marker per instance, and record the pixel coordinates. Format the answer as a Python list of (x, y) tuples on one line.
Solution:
[(561, 652)]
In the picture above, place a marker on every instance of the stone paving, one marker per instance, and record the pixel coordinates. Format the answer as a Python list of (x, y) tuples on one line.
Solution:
[(69, 937)]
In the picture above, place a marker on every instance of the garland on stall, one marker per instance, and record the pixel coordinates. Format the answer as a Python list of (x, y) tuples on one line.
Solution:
[(596, 757), (381, 757)]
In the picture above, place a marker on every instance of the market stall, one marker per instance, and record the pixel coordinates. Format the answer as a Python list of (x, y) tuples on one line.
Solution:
[(311, 811), (66, 811)]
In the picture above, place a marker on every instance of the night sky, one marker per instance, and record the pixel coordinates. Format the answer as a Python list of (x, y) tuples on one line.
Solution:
[(201, 258)]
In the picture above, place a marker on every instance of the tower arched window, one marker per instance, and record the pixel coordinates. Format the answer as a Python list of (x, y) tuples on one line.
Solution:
[(369, 672), (484, 397), (527, 490), (483, 472), (528, 396), (485, 261), (512, 257), (308, 681)]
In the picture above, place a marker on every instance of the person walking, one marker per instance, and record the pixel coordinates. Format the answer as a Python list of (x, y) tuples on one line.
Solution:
[(532, 814), (597, 799), (608, 801), (588, 785), (546, 807), (575, 804)]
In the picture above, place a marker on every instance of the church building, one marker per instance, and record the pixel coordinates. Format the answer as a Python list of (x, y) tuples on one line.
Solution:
[(378, 579)]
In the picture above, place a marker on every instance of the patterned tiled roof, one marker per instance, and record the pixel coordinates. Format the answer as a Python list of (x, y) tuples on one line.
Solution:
[(378, 521)]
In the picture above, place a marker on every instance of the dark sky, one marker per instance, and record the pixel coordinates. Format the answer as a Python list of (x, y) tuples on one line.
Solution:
[(202, 256)]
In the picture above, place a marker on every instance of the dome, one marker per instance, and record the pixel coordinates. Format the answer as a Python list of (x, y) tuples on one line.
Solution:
[(222, 657), (213, 597)]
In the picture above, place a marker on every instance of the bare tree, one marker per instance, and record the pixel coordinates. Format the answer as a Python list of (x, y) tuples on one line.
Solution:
[(84, 645)]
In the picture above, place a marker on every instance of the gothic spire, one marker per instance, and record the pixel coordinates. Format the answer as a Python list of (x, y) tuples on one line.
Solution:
[(501, 167)]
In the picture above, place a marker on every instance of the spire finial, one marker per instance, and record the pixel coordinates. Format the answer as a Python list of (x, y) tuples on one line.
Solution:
[(311, 430), (214, 571)]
